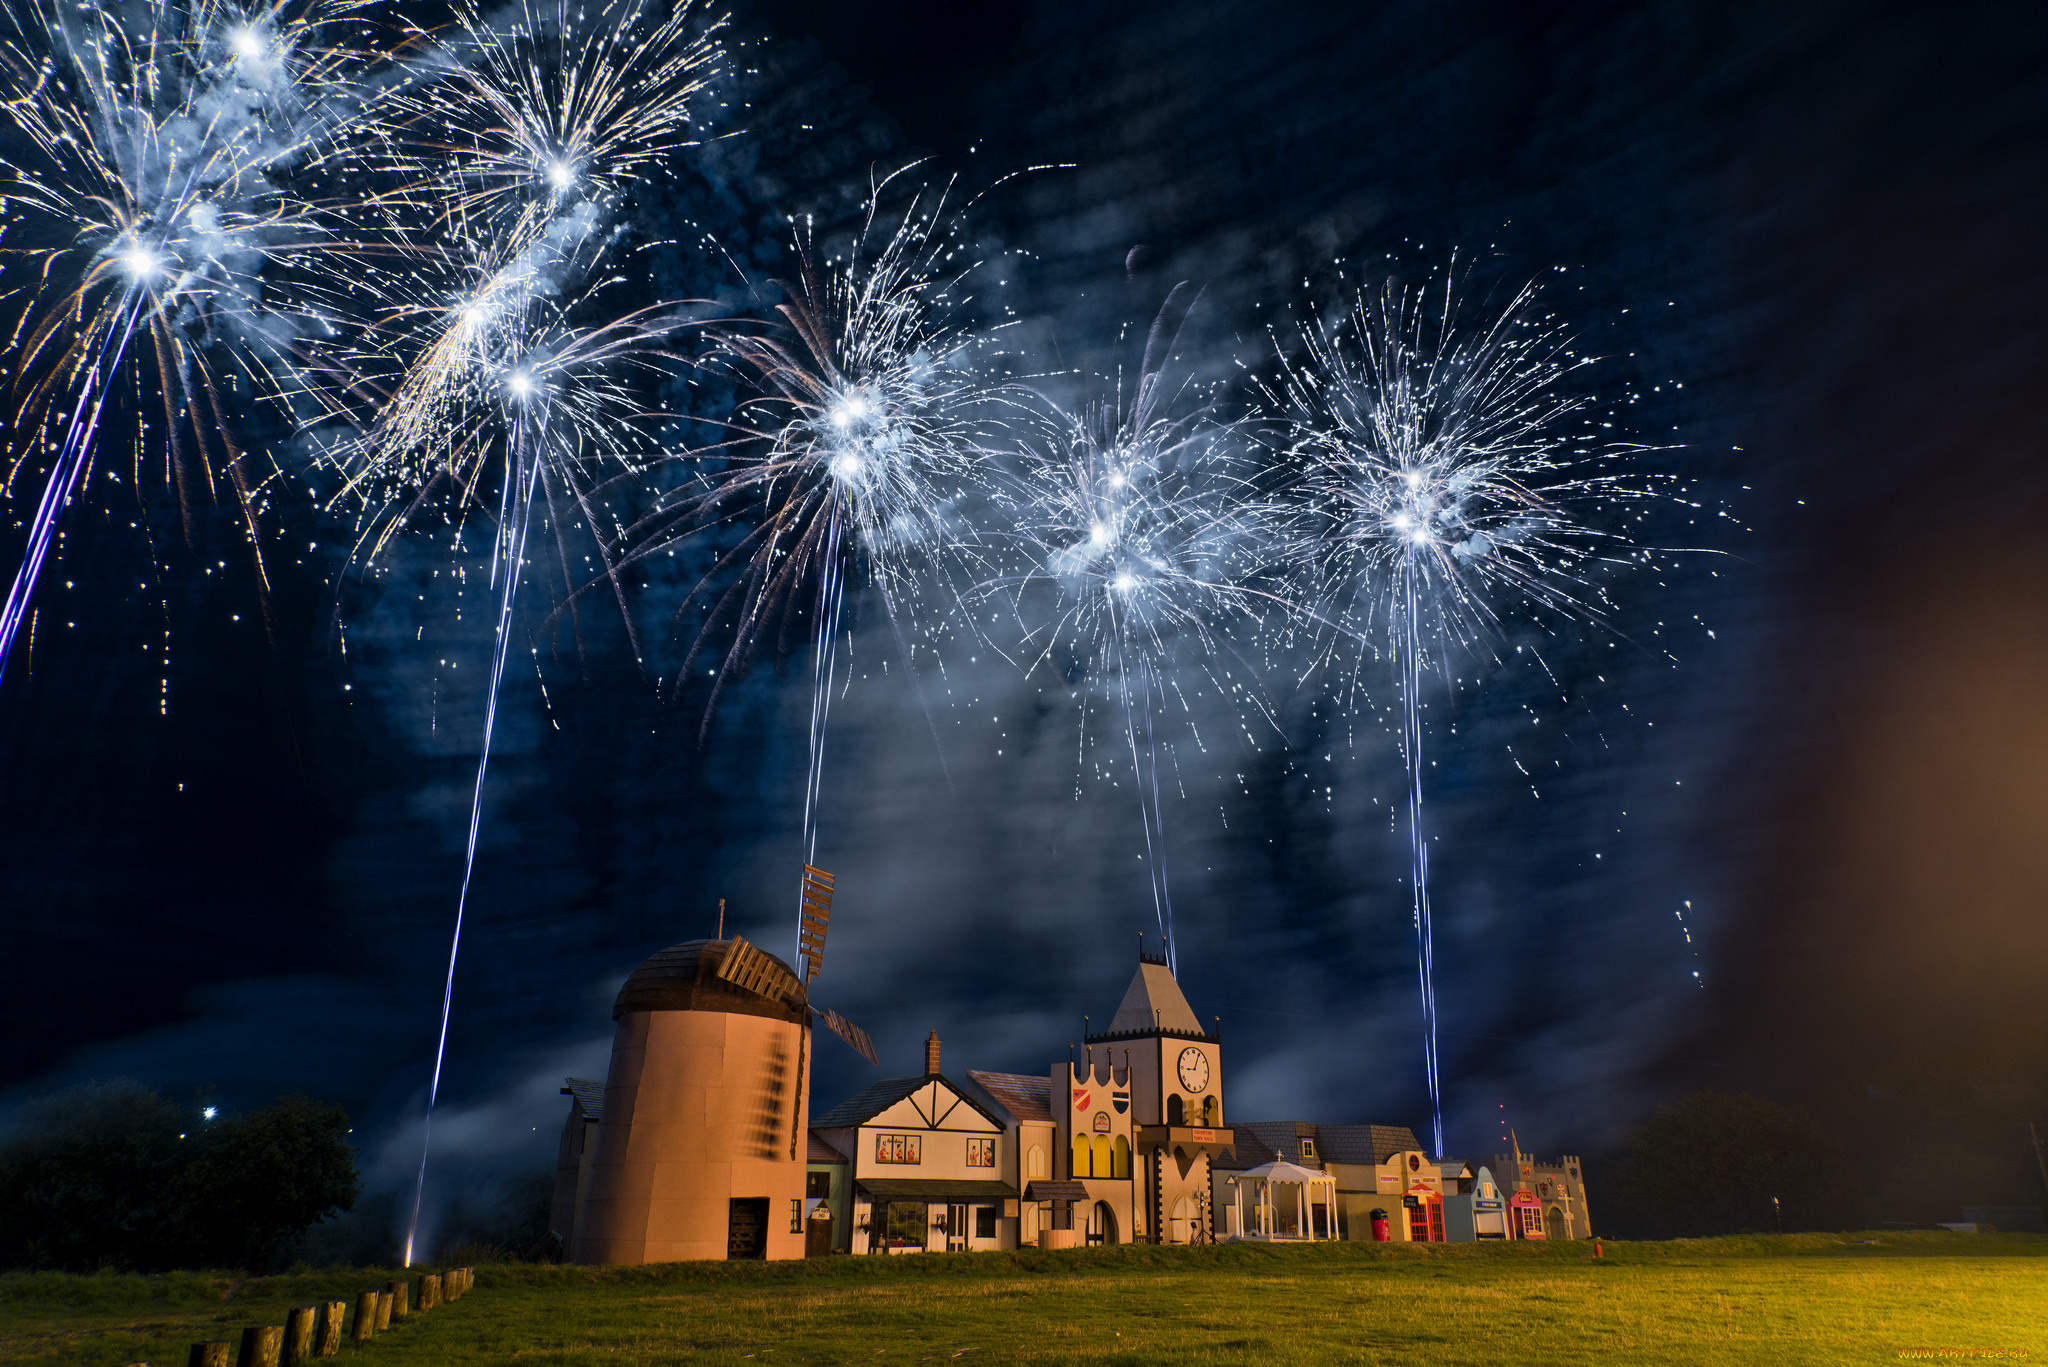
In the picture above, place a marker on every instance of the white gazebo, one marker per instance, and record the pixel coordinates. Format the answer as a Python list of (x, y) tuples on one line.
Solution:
[(1269, 1207)]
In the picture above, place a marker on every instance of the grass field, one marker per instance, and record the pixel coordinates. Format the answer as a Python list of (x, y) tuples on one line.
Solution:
[(1798, 1299)]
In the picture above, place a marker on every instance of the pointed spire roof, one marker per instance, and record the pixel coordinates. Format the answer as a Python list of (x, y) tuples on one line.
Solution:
[(1155, 1003)]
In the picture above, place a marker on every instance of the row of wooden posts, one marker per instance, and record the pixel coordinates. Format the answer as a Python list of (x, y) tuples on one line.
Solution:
[(315, 1331)]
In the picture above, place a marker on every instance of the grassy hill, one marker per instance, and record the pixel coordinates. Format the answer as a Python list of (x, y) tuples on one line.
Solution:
[(1798, 1299)]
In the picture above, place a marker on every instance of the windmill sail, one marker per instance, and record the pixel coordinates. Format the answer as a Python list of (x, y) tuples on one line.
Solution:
[(746, 967), (855, 1037), (814, 916)]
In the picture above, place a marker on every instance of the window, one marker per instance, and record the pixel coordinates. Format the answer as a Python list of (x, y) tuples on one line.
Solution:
[(1034, 1162), (1211, 1112), (1176, 1111), (981, 1153), (1308, 1149), (906, 1224), (796, 1215), (984, 1222), (1104, 1158), (1084, 1166), (898, 1148), (1120, 1158), (818, 1185)]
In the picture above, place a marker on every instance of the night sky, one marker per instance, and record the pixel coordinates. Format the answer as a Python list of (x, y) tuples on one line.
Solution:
[(1805, 238)]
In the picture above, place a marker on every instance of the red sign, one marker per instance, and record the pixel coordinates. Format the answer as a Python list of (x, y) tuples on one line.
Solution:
[(1202, 1136)]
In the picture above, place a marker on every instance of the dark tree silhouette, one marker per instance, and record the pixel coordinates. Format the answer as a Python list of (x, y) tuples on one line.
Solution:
[(1711, 1164), (118, 1176)]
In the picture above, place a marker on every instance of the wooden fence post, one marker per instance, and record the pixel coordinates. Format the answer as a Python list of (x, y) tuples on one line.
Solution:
[(328, 1341), (430, 1291), (298, 1335), (383, 1310), (401, 1298), (262, 1345), (214, 1354), (366, 1317)]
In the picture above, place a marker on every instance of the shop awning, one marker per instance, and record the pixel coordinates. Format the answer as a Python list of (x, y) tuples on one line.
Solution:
[(1055, 1191), (928, 1189)]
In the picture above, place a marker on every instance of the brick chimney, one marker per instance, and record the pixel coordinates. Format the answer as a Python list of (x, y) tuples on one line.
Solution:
[(931, 1054)]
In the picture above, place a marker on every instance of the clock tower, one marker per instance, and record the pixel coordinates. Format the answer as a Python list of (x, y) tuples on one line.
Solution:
[(1176, 1085)]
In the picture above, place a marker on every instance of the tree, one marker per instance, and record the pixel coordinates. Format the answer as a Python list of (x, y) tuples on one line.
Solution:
[(83, 1181), (262, 1180), (1712, 1163), (119, 1176)]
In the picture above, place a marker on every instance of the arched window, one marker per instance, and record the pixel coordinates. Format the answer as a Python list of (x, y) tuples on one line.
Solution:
[(1120, 1158), (1034, 1162), (1212, 1114), (1105, 1157), (1083, 1164), (1176, 1111)]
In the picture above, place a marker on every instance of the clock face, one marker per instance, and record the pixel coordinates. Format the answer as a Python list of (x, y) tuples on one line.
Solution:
[(1194, 1070)]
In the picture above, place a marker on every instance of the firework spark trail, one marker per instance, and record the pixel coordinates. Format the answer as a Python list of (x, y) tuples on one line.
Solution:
[(154, 157), (73, 461), (1443, 478), (1418, 848), (508, 557)]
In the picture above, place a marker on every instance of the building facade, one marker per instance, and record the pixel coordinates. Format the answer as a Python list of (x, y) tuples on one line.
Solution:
[(699, 1143)]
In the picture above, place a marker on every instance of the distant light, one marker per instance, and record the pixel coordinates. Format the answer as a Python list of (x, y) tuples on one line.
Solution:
[(1117, 480), (247, 43), (1124, 582), (209, 1113), (1098, 535), (520, 383), (561, 175), (847, 465), (473, 316)]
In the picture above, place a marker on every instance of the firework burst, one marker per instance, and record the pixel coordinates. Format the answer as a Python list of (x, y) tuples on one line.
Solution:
[(504, 151), (1444, 479), (1142, 563), (851, 461), (151, 153)]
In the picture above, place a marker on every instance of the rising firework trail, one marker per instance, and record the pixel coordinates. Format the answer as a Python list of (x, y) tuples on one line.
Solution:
[(555, 407), (512, 141), (152, 153), (1444, 478)]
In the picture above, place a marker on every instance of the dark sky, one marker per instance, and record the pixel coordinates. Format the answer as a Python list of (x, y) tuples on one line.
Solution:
[(1823, 221)]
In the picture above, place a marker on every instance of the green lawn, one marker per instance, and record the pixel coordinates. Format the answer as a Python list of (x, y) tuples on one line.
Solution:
[(1798, 1299)]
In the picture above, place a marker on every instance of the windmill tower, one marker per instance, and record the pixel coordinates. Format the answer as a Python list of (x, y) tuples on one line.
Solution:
[(700, 1149)]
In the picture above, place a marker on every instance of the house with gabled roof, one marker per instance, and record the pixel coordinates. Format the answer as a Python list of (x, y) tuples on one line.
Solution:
[(925, 1160)]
